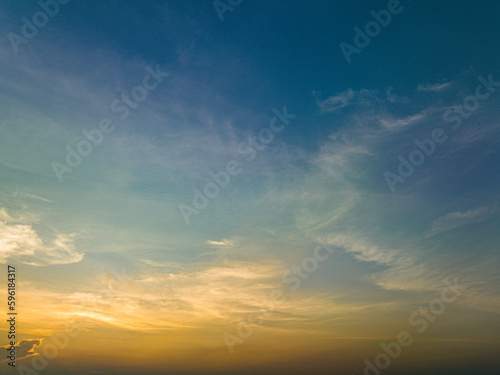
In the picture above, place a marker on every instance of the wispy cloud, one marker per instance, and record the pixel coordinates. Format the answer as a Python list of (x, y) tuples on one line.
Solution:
[(190, 298), (394, 98), (458, 219), (341, 100), (401, 123), (433, 87), (153, 263), (31, 196), (366, 252), (224, 242)]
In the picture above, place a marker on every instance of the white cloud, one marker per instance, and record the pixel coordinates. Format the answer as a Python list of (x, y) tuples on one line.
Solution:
[(21, 242), (4, 215), (363, 251), (394, 98), (433, 87), (457, 219), (31, 196), (217, 294), (224, 242), (183, 299), (341, 100), (152, 263), (397, 124)]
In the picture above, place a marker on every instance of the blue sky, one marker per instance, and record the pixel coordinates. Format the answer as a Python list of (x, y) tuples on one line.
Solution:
[(321, 178)]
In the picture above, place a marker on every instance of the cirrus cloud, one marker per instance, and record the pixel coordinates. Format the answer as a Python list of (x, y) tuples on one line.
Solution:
[(457, 219)]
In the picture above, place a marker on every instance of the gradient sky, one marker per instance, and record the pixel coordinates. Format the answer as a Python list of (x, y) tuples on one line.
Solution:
[(108, 247)]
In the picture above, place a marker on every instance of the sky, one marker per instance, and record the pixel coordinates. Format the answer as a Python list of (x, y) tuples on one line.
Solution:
[(242, 187)]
